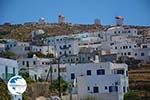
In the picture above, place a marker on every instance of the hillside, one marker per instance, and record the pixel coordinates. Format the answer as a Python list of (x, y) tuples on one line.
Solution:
[(139, 79), (23, 32)]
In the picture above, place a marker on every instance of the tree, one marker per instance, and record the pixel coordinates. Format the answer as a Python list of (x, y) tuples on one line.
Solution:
[(49, 55), (4, 92), (132, 95), (26, 76), (8, 54), (38, 54), (54, 87)]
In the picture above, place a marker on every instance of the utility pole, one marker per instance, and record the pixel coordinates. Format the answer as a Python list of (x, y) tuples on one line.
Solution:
[(59, 77)]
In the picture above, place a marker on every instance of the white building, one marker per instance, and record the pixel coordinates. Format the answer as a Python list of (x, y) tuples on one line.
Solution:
[(120, 30), (123, 45), (95, 79), (90, 38), (61, 19), (9, 68), (43, 49), (108, 78), (119, 20), (6, 44), (42, 20), (37, 33), (21, 49), (36, 66), (64, 45), (142, 53)]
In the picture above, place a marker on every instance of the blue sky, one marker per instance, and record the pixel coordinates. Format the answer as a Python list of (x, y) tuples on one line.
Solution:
[(136, 12)]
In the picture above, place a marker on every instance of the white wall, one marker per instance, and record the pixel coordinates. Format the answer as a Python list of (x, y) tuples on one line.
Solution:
[(11, 65)]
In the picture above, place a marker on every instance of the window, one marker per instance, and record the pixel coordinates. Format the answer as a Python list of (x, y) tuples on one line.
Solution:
[(69, 45), (95, 89), (122, 54), (6, 72), (113, 89), (64, 46), (142, 54), (71, 60), (88, 88), (45, 70), (89, 58), (124, 89), (129, 53), (72, 76), (115, 47), (27, 63), (14, 70), (112, 44), (88, 72), (55, 70), (60, 53), (35, 77), (34, 62), (134, 46), (129, 31), (100, 72), (105, 87), (124, 47), (77, 59), (129, 46), (125, 54), (126, 73), (121, 71), (135, 54), (144, 46), (69, 52), (22, 62)]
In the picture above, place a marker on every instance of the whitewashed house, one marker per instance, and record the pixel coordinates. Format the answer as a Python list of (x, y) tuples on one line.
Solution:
[(64, 45), (6, 44), (8, 68), (142, 53), (36, 66), (21, 49), (120, 30), (90, 38), (96, 79), (43, 49)]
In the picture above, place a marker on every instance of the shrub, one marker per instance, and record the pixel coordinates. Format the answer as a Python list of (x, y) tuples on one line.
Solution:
[(132, 95)]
